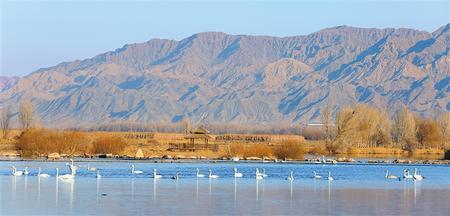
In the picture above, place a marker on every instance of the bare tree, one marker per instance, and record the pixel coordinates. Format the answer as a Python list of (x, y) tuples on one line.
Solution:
[(404, 126), (444, 124), (26, 115), (327, 121), (5, 120), (186, 124), (345, 130)]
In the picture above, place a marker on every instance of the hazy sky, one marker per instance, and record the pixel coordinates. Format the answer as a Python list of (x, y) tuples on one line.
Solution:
[(36, 34)]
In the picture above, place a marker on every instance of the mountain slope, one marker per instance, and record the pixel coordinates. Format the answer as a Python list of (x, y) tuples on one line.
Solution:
[(245, 79), (7, 82)]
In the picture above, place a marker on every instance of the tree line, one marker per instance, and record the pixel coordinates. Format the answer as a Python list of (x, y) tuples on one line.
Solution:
[(363, 126)]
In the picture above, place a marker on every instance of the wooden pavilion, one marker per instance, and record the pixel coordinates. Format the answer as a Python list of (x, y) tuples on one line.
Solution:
[(197, 139)]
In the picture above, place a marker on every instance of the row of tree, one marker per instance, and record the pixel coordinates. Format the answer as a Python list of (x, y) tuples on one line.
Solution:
[(364, 126)]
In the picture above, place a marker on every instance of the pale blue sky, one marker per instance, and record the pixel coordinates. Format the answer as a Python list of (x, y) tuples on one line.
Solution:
[(36, 34)]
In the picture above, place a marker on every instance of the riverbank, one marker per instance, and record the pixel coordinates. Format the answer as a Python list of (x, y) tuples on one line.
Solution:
[(251, 147), (309, 160)]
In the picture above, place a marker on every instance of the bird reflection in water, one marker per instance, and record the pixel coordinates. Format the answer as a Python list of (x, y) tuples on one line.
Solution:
[(235, 192), (210, 190), (196, 192), (257, 189), (72, 188), (291, 193), (132, 189), (56, 191), (416, 191), (98, 188), (154, 190), (39, 190)]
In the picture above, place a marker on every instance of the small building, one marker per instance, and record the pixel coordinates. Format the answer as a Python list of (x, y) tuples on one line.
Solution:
[(196, 139), (198, 134)]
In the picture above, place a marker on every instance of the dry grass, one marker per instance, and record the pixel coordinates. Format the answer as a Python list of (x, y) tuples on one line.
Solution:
[(250, 150), (376, 150), (41, 142), (290, 150), (38, 142), (110, 144)]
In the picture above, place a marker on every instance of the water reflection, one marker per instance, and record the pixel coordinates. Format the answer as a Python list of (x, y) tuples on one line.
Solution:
[(196, 194), (39, 190), (291, 191), (14, 186), (271, 196), (329, 191), (154, 191), (56, 191), (416, 190), (257, 189), (235, 192), (132, 189), (26, 186), (71, 190), (98, 189)]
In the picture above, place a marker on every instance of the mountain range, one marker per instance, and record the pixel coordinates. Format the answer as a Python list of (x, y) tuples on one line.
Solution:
[(241, 79)]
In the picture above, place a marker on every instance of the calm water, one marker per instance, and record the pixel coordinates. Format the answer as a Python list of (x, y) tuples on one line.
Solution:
[(356, 190)]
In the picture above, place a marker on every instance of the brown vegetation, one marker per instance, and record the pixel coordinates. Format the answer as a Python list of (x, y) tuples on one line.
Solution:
[(290, 150), (250, 150), (5, 121), (36, 142), (368, 127), (109, 144)]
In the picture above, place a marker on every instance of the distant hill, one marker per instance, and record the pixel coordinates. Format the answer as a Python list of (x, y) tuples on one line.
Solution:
[(242, 79)]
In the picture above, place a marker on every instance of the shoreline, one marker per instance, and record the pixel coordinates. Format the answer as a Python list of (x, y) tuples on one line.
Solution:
[(360, 161)]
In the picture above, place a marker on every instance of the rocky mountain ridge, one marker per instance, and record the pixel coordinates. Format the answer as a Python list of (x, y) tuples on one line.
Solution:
[(241, 79)]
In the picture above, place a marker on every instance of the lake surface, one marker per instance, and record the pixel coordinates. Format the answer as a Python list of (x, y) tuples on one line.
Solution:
[(358, 189)]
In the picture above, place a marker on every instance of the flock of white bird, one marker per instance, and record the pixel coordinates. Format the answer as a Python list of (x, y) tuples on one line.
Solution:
[(258, 175), (406, 175)]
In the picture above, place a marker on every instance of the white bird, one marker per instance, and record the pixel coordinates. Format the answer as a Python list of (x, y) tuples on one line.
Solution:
[(417, 176), (264, 173), (330, 178), (390, 176), (133, 171), (70, 176), (72, 165), (44, 175), (211, 175), (258, 175), (316, 176), (176, 176), (156, 176), (237, 174), (26, 171), (98, 174), (290, 177), (198, 174), (407, 175), (89, 168), (323, 159), (15, 172)]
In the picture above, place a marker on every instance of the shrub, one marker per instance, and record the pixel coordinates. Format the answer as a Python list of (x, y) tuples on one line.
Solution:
[(258, 150), (109, 145), (252, 150), (290, 149), (429, 134), (35, 142), (318, 149), (237, 149)]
